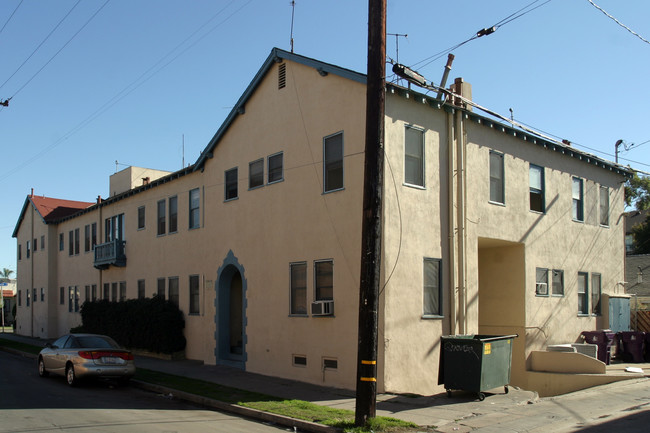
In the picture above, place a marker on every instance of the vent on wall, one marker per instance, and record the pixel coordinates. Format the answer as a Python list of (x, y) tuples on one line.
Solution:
[(282, 75)]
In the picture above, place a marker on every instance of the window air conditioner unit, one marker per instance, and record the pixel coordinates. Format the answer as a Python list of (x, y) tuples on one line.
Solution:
[(322, 308), (541, 288)]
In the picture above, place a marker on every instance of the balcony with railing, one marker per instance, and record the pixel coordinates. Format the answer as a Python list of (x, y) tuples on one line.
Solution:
[(110, 253)]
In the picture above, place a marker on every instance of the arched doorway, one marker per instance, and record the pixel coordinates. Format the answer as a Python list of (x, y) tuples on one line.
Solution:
[(230, 303)]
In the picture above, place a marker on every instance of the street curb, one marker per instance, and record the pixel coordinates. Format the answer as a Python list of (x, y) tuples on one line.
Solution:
[(19, 352), (238, 410)]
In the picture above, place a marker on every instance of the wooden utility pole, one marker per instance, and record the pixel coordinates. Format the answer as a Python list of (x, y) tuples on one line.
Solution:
[(371, 227)]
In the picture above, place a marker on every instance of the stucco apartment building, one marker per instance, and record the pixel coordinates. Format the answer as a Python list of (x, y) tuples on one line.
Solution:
[(487, 229)]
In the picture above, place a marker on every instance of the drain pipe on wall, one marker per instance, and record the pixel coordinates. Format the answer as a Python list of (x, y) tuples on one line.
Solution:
[(451, 167), (462, 236)]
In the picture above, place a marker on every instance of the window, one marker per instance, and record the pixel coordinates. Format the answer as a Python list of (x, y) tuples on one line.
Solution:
[(432, 302), (324, 280), (558, 283), (604, 206), (35, 245), (61, 242), (195, 203), (275, 168), (497, 184), (577, 210), (141, 217), (94, 292), (20, 298), (107, 291), (299, 361), (541, 282), (71, 243), (141, 291), (194, 294), (42, 294), (583, 293), (173, 290), (596, 290), (173, 214), (20, 252), (76, 242), (70, 299), (298, 288), (122, 291), (87, 293), (93, 235), (161, 218), (35, 297), (256, 174), (230, 191), (114, 228), (42, 242), (161, 288), (536, 180), (330, 364), (333, 162), (28, 248), (414, 156), (113, 292), (87, 238), (76, 299), (62, 295), (27, 297)]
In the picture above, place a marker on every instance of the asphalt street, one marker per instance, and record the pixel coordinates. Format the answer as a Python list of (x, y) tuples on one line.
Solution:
[(29, 403)]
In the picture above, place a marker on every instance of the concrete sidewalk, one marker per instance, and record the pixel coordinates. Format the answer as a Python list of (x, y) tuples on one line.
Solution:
[(517, 411)]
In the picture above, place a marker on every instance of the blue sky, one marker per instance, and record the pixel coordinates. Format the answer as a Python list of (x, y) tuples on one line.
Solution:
[(143, 74)]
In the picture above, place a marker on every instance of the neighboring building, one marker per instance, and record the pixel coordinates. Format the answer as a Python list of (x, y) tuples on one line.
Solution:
[(487, 229), (8, 299), (633, 219)]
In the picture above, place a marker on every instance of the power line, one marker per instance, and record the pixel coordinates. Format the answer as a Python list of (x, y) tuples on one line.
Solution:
[(41, 44), (11, 16), (618, 22), (61, 49), (483, 32)]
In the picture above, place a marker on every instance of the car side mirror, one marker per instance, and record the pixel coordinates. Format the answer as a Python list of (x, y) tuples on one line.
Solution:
[(49, 346)]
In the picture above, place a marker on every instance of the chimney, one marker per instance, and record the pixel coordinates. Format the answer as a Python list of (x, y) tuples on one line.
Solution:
[(463, 89), (32, 194), (99, 199), (145, 180)]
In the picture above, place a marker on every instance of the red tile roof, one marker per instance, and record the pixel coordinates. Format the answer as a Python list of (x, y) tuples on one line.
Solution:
[(54, 208)]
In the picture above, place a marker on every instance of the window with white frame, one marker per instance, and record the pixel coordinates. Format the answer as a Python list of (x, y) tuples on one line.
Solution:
[(536, 195), (230, 189), (557, 282), (162, 217), (596, 293), (432, 288), (541, 282), (195, 208), (298, 288), (324, 280), (414, 156), (604, 206), (577, 196), (114, 228), (583, 293), (497, 181), (256, 173), (141, 217), (194, 295), (275, 168), (173, 214), (173, 290), (333, 162)]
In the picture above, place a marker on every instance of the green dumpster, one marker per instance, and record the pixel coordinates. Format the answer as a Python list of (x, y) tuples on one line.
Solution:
[(475, 363)]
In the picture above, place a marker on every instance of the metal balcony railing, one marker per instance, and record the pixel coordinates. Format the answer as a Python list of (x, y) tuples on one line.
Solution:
[(110, 253)]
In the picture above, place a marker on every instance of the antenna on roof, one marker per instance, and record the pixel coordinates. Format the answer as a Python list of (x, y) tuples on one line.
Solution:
[(293, 11), (183, 166)]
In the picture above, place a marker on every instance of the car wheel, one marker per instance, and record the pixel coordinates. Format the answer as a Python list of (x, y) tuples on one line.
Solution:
[(42, 372), (70, 377)]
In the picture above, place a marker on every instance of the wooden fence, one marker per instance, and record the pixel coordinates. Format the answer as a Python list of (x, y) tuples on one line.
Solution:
[(640, 320)]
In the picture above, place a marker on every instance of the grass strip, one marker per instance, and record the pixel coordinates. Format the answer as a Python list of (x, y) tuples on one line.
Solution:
[(304, 410), (16, 345)]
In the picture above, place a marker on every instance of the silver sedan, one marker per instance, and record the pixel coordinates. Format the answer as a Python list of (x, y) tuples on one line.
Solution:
[(79, 356)]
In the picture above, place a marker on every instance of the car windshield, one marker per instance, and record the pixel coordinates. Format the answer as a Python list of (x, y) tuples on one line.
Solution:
[(96, 342)]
